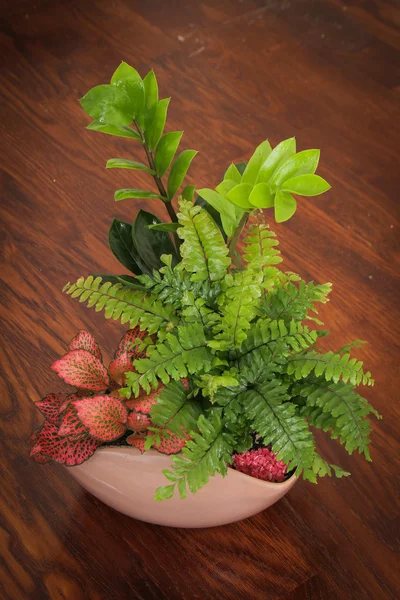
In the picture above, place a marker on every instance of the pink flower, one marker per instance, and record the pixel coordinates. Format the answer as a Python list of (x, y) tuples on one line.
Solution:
[(261, 464)]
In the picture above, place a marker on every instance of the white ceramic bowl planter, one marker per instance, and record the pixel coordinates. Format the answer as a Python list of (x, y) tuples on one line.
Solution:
[(126, 480)]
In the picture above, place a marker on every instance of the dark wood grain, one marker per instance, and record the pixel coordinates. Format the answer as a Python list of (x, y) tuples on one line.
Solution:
[(238, 71)]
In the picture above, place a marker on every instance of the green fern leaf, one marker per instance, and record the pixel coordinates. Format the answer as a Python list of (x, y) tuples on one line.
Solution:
[(174, 358), (204, 252), (174, 411), (276, 421), (333, 367), (123, 303), (337, 408), (295, 302), (260, 246), (207, 453)]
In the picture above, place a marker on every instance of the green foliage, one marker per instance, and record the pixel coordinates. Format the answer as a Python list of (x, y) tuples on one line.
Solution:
[(235, 334)]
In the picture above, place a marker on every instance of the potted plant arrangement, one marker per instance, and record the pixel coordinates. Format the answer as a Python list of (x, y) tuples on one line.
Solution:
[(219, 379)]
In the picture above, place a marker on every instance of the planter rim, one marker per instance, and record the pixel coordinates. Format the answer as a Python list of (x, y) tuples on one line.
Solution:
[(154, 452)]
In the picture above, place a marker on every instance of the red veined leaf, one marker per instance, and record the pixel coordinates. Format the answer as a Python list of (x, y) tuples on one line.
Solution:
[(71, 425), (127, 342), (74, 451), (82, 370), (70, 398), (138, 421), (137, 441), (104, 416), (50, 406), (144, 402), (85, 341), (170, 443), (119, 366)]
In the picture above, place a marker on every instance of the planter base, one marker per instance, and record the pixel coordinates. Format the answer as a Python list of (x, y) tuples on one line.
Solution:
[(126, 480)]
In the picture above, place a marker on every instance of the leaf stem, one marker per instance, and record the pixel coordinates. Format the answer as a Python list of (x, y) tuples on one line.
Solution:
[(236, 235)]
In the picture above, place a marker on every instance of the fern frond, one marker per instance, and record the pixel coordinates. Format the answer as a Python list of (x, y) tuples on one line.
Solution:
[(265, 337), (333, 367), (337, 408), (321, 468), (174, 410), (204, 252), (195, 310), (295, 302), (260, 246), (123, 303), (207, 453), (174, 358), (276, 421), (239, 304)]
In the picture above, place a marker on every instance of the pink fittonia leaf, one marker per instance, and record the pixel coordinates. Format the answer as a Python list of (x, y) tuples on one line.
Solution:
[(104, 416), (50, 406), (71, 425), (138, 421), (119, 366), (137, 441), (128, 344), (144, 402), (74, 451), (82, 370), (85, 341), (170, 443), (70, 398)]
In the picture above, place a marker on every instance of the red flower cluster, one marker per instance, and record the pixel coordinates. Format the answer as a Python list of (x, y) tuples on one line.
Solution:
[(261, 464), (77, 424)]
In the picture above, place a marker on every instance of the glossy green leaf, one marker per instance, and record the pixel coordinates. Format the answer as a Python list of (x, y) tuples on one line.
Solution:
[(165, 151), (259, 157), (125, 163), (122, 131), (239, 195), (302, 163), (171, 227), (156, 127), (225, 187), (306, 185), (232, 173), (261, 196), (279, 155), (108, 104), (151, 244), (285, 206), (178, 171), (150, 98), (188, 193), (126, 78), (121, 244), (134, 193), (223, 207)]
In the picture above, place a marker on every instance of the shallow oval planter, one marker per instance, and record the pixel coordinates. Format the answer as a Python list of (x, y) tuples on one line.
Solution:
[(126, 480)]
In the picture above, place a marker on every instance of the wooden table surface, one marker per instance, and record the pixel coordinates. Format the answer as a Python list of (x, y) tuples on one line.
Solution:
[(238, 71)]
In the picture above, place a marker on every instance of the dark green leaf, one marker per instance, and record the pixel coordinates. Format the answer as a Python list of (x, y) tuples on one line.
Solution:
[(134, 193), (125, 163), (164, 226), (125, 279), (261, 196), (108, 104), (188, 193), (165, 151), (240, 167), (306, 185), (121, 244), (178, 171), (278, 156), (126, 78), (151, 244), (156, 127), (285, 206), (302, 163), (252, 169), (239, 195), (123, 131)]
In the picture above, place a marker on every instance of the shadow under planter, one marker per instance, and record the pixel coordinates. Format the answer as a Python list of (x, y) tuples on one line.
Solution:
[(126, 480)]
